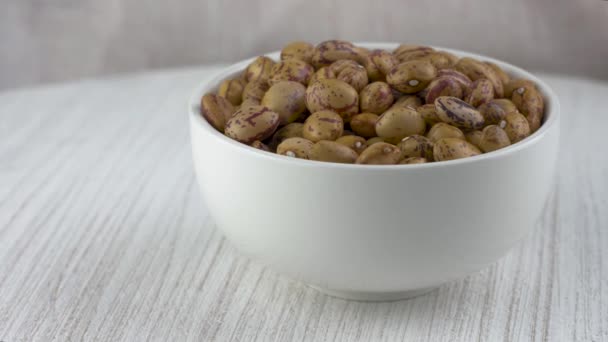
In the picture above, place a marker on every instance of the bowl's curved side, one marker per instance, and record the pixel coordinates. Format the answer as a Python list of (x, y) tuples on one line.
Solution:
[(373, 229)]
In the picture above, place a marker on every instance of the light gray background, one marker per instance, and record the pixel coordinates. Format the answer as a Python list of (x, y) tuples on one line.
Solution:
[(54, 40)]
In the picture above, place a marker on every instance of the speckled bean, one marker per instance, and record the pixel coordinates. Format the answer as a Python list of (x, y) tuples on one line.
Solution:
[(406, 52), (416, 146), (216, 110), (475, 70), (480, 92), (334, 95), (295, 147), (259, 69), (464, 81), (443, 86), (350, 72), (291, 70), (298, 50), (383, 60), (494, 111), (429, 114), (253, 123), (456, 112), (254, 91), (330, 51), (376, 98)]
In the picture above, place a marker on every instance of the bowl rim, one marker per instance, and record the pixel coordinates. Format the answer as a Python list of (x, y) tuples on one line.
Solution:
[(211, 83)]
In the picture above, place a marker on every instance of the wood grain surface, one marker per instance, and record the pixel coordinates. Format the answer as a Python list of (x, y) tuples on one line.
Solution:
[(46, 41), (104, 237)]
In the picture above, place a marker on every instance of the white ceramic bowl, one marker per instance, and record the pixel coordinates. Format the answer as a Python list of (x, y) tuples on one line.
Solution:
[(374, 232)]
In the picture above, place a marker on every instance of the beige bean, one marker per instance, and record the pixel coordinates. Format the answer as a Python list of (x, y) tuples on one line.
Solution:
[(232, 90), (454, 148), (380, 153), (506, 104), (364, 124), (474, 137), (516, 126), (216, 110), (292, 130), (260, 146), (407, 101), (323, 125), (413, 160), (298, 50), (399, 123), (373, 73), (475, 70), (529, 101), (411, 77), (288, 98), (375, 140), (516, 84), (259, 69), (331, 151), (502, 75), (443, 130), (493, 138), (357, 143)]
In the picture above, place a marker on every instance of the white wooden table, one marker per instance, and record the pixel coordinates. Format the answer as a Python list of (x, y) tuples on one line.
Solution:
[(104, 237)]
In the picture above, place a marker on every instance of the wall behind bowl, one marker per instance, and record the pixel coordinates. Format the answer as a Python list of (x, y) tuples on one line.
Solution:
[(45, 41)]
